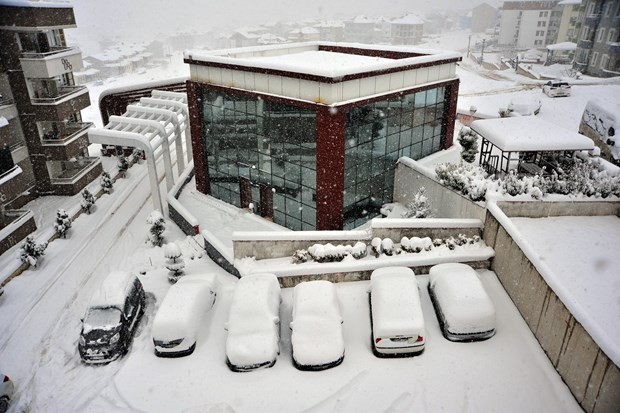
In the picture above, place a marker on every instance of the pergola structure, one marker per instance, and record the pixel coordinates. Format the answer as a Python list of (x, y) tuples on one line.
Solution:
[(526, 144), (152, 125)]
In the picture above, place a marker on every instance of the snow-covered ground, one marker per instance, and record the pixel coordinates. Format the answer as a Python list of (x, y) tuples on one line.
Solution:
[(41, 311)]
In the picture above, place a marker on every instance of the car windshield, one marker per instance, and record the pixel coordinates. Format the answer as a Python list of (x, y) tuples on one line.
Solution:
[(102, 318)]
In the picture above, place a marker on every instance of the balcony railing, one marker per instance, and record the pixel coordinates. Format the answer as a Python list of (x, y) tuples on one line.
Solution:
[(61, 132), (5, 101), (45, 97), (72, 171), (33, 54)]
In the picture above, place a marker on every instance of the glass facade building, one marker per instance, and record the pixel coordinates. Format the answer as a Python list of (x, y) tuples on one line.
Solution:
[(252, 143)]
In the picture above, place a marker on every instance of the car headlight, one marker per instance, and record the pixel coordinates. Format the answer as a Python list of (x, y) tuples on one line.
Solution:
[(114, 338)]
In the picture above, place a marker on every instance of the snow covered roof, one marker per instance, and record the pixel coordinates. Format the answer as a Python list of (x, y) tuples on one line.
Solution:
[(113, 290), (562, 46), (37, 3), (528, 133), (409, 19), (324, 59), (569, 2), (363, 19)]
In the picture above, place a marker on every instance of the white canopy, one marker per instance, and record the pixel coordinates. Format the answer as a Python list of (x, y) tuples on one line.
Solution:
[(528, 133)]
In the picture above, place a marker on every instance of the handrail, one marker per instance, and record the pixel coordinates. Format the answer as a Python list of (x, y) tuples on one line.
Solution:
[(68, 91)]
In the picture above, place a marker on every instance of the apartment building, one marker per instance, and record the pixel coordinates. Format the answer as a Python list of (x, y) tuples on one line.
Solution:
[(40, 121), (563, 22), (524, 24), (598, 44)]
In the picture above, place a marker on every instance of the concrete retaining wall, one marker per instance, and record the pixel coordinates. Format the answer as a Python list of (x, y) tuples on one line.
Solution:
[(176, 211), (283, 244), (537, 209), (445, 202), (590, 375), (17, 230)]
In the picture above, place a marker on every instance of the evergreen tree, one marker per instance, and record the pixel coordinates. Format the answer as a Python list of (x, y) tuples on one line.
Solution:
[(122, 165), (469, 142), (88, 200), (106, 182), (157, 228), (30, 251), (420, 206), (174, 261), (63, 223)]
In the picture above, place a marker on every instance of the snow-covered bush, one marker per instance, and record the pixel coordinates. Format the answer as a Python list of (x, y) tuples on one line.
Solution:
[(387, 246), (420, 206), (461, 239), (106, 182), (317, 252), (63, 223), (359, 250), (30, 252), (137, 155), (437, 242), (470, 180), (156, 229), (300, 256), (174, 261), (450, 243), (469, 142), (88, 200), (512, 185), (376, 246), (122, 165)]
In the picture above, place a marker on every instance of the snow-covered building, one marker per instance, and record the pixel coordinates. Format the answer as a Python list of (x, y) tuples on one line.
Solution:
[(483, 17), (308, 134), (304, 34), (361, 29), (598, 44), (563, 22), (524, 24), (41, 102), (407, 30), (331, 31)]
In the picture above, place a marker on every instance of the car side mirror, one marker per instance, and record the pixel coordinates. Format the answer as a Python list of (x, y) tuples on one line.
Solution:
[(291, 325)]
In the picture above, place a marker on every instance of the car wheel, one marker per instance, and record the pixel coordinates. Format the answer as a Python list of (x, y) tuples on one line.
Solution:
[(4, 404)]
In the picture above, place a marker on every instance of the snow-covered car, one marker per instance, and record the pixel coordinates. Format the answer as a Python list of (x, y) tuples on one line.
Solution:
[(179, 318), (111, 318), (254, 323), (6, 392), (555, 88), (463, 307), (317, 337), (396, 317)]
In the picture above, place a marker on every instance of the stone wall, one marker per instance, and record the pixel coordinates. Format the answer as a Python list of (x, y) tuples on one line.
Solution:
[(445, 202), (590, 375)]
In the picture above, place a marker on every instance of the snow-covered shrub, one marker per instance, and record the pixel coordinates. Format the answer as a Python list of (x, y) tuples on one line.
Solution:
[(469, 142), (376, 246), (317, 252), (156, 229), (470, 180), (122, 165), (387, 246), (359, 250), (63, 223), (420, 206), (427, 243), (137, 155), (416, 244), (451, 243), (174, 261), (475, 239), (300, 256), (460, 240), (88, 200), (335, 253), (512, 185), (437, 242), (106, 182), (30, 252), (405, 245)]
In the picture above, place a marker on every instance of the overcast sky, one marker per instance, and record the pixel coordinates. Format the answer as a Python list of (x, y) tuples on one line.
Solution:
[(148, 19)]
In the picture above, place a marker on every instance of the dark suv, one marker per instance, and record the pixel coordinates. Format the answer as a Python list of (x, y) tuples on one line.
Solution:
[(111, 318)]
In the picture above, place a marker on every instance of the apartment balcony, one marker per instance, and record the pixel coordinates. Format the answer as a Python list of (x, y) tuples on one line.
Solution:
[(64, 140), (59, 102), (8, 110), (52, 63), (70, 177), (18, 17), (15, 225), (592, 19), (11, 181), (585, 44)]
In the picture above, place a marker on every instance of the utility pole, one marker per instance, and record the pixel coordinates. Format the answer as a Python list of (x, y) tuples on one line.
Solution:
[(482, 52), (468, 45)]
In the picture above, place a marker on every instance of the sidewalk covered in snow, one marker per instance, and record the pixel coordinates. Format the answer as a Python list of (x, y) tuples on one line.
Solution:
[(526, 144)]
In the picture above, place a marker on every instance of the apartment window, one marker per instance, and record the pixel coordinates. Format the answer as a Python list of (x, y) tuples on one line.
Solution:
[(607, 9), (585, 33), (540, 14), (601, 35), (611, 37), (594, 59), (604, 62), (537, 42), (539, 24), (591, 7)]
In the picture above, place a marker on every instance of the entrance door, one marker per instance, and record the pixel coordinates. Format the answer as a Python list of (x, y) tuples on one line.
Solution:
[(245, 192), (261, 196)]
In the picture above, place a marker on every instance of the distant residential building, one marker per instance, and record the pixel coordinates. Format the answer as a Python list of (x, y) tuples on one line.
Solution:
[(360, 30), (331, 31), (524, 24), (563, 22), (304, 34), (40, 106), (598, 44), (483, 17), (407, 30), (120, 59)]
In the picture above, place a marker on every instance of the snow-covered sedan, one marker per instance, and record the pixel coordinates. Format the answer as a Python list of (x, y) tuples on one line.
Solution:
[(6, 392), (396, 313), (317, 337), (111, 318), (180, 315), (464, 309), (254, 323)]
